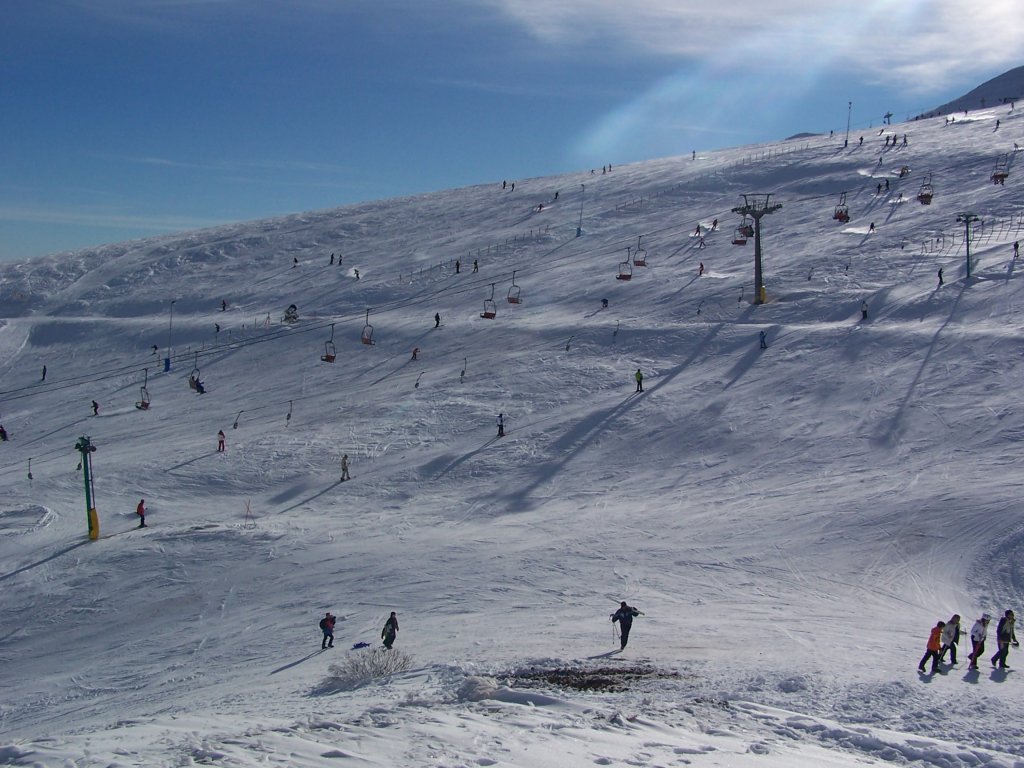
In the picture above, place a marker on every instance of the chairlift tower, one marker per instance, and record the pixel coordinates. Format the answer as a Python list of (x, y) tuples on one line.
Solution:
[(967, 218), (757, 206), (86, 448)]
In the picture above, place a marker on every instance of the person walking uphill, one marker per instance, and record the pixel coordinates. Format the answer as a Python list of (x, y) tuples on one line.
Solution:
[(934, 645), (390, 631), (141, 512), (327, 627), (1004, 636), (950, 638), (625, 616), (639, 376), (344, 468), (978, 634)]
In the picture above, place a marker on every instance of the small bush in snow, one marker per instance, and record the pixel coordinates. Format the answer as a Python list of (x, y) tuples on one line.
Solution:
[(363, 667)]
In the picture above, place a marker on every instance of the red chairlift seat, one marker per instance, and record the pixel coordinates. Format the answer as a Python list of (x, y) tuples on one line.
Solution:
[(625, 271)]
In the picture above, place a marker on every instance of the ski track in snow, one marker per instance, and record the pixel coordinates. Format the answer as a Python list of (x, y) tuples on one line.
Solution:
[(791, 521)]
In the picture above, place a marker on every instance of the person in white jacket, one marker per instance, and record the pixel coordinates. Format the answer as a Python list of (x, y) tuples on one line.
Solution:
[(950, 638), (978, 634)]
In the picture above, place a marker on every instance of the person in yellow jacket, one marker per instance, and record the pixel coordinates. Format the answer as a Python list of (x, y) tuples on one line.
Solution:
[(639, 376), (934, 646)]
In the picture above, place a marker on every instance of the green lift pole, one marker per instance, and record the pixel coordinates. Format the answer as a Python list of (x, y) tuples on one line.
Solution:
[(86, 448)]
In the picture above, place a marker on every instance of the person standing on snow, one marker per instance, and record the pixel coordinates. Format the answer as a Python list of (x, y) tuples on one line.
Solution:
[(934, 645), (979, 632), (950, 638), (344, 468), (625, 616), (44, 375), (327, 627), (220, 441), (1004, 636), (864, 310), (141, 512), (501, 425), (639, 376), (437, 319), (95, 408), (763, 336), (390, 631)]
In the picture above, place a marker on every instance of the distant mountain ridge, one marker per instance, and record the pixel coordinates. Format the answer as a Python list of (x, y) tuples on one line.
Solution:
[(1002, 89)]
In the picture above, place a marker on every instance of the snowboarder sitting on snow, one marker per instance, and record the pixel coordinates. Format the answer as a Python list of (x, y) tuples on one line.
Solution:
[(327, 627), (390, 631), (625, 616)]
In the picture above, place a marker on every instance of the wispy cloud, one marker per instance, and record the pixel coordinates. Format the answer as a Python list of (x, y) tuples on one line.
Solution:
[(921, 45), (290, 166), (105, 219)]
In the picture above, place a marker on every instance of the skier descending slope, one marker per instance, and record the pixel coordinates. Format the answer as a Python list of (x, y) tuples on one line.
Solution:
[(625, 616)]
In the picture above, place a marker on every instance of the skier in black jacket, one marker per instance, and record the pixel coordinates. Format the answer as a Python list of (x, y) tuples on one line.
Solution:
[(625, 616), (390, 631), (1004, 636)]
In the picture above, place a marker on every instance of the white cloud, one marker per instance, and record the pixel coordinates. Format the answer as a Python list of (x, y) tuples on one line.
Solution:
[(922, 45), (105, 218)]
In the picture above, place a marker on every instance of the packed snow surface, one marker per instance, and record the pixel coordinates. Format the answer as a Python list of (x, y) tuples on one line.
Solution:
[(791, 521)]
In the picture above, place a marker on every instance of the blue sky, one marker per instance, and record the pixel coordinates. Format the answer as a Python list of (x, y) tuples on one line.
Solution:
[(129, 118)]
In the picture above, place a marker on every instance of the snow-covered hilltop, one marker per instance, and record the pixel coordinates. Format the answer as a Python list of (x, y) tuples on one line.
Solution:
[(791, 520)]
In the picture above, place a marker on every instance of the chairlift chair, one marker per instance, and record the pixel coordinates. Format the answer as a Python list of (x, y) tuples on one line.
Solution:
[(514, 292), (640, 256), (925, 195), (490, 308), (143, 402), (625, 271), (740, 236), (367, 335), (1001, 171), (842, 212), (330, 353)]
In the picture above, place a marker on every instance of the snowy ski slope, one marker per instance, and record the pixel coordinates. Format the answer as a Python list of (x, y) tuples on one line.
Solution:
[(791, 521)]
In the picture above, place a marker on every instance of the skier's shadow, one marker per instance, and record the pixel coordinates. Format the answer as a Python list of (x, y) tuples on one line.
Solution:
[(189, 461), (611, 653), (297, 662)]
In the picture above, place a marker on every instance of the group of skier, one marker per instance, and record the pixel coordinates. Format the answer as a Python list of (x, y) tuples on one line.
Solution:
[(945, 636)]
